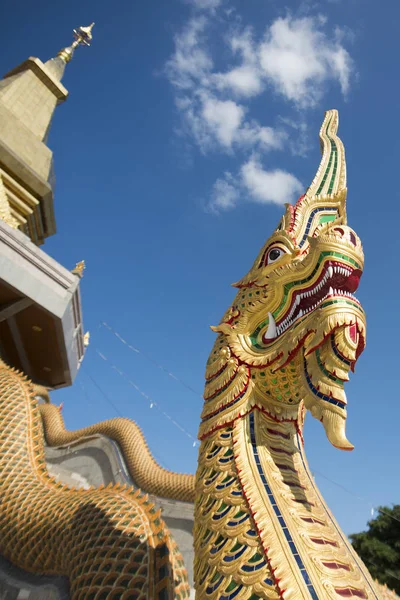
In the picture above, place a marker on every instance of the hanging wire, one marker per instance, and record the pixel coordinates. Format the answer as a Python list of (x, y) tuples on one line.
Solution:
[(85, 393), (152, 403), (373, 508), (149, 358), (112, 404)]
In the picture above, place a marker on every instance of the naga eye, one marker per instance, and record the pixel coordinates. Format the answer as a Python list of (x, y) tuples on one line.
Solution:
[(274, 254)]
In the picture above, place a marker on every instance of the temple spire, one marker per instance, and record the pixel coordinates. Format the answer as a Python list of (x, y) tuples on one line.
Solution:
[(29, 95), (83, 37)]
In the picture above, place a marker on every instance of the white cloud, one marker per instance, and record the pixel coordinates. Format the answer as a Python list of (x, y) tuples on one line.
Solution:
[(223, 118), (267, 138), (265, 187), (225, 194), (253, 184), (246, 78), (210, 115), (191, 62), (342, 65), (298, 58), (205, 4), (221, 124), (242, 81)]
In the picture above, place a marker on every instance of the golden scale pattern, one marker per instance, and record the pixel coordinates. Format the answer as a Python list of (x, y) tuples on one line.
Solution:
[(223, 522), (110, 542)]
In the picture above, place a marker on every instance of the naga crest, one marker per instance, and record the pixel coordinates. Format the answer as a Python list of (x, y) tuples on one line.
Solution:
[(295, 329)]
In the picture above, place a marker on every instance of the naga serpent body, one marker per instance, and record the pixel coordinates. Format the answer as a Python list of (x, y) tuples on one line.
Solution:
[(287, 344), (110, 542), (144, 470)]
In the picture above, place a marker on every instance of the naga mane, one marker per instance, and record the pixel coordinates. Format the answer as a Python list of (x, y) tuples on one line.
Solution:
[(287, 344)]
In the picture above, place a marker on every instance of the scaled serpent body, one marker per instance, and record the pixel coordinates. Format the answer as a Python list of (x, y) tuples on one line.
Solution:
[(110, 542), (144, 470)]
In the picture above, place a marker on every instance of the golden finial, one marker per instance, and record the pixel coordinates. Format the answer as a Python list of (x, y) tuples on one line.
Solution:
[(79, 268), (83, 37)]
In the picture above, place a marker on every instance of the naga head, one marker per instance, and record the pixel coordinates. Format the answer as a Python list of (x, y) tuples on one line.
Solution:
[(295, 329)]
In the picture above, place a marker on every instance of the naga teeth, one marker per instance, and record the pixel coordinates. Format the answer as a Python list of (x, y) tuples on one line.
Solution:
[(330, 271), (271, 332), (330, 292)]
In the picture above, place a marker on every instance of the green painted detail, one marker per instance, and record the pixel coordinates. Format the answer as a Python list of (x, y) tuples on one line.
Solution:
[(325, 371), (343, 301), (231, 586), (255, 558), (321, 185), (302, 282), (332, 182), (236, 547), (327, 218)]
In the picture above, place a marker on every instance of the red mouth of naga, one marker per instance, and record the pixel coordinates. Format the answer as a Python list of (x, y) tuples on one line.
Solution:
[(336, 280)]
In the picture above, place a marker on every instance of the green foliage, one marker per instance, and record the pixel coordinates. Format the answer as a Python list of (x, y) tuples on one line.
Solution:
[(379, 547)]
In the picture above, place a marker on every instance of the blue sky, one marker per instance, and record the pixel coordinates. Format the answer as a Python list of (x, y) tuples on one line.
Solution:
[(187, 126)]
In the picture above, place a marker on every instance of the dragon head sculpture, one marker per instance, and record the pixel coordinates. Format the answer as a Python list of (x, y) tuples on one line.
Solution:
[(295, 329)]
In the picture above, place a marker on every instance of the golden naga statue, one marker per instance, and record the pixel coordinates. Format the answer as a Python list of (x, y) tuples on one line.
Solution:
[(287, 344), (262, 529)]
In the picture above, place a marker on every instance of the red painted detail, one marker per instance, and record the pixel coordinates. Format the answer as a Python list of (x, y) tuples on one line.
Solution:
[(216, 373), (300, 432), (293, 211), (286, 436), (312, 520), (223, 407), (233, 317), (353, 332), (241, 286), (225, 386), (360, 347), (293, 353), (335, 565), (339, 229), (314, 348), (324, 542), (263, 366), (351, 593), (292, 215)]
